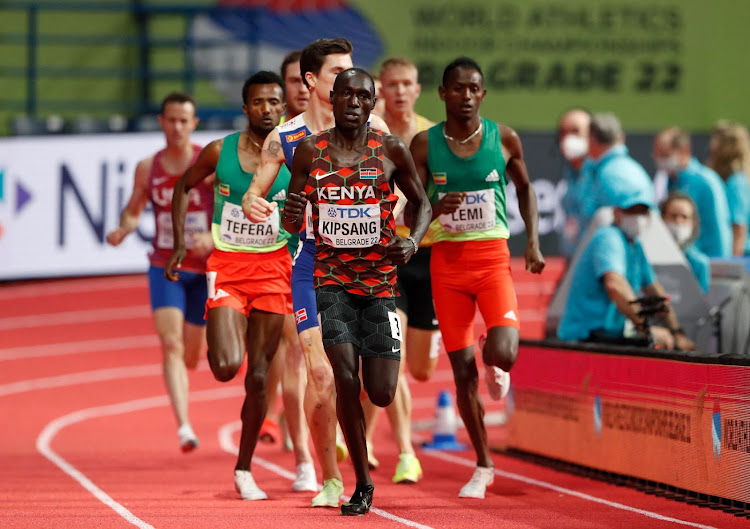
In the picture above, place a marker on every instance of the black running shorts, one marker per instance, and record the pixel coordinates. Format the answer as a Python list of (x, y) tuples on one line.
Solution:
[(415, 287), (368, 322)]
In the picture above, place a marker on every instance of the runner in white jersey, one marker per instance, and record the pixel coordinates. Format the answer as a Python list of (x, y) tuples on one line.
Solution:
[(320, 63)]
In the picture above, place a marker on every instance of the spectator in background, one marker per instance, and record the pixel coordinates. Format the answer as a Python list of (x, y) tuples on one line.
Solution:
[(573, 141), (611, 172), (730, 157), (682, 219), (297, 93), (672, 154), (610, 272)]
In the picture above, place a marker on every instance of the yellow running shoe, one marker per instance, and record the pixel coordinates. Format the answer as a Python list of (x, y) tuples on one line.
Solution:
[(408, 469), (342, 452), (330, 495)]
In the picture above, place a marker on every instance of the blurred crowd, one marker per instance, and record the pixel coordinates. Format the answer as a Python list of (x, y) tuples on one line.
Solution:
[(705, 206)]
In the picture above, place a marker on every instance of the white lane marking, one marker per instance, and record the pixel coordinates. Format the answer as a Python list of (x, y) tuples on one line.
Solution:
[(49, 432), (83, 346), (226, 442), (75, 316), (531, 481), (84, 377), (72, 286)]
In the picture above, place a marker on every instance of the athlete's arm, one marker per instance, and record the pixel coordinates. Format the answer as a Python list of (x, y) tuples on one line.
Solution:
[(515, 167), (136, 204), (450, 201), (204, 167), (296, 200), (400, 250), (254, 205)]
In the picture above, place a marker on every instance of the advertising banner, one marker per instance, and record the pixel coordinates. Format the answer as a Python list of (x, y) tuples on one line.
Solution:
[(680, 423), (61, 195)]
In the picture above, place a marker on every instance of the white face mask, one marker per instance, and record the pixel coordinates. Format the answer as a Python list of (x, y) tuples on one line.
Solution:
[(680, 232), (669, 164), (633, 225), (574, 147)]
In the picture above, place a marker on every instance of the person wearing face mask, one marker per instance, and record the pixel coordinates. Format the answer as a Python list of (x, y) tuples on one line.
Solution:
[(672, 154), (612, 174), (611, 272), (573, 141), (680, 215)]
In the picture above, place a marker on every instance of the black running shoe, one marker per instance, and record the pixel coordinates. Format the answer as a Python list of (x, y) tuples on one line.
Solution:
[(360, 502)]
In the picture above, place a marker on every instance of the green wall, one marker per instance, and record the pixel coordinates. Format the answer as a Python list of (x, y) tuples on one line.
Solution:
[(654, 63)]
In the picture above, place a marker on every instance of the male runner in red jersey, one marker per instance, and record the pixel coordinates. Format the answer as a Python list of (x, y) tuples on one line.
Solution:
[(177, 307)]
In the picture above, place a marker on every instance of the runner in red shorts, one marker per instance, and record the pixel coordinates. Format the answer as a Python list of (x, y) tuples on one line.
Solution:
[(249, 272), (464, 163)]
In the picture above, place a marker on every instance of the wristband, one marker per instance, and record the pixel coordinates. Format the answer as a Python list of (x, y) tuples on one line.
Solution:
[(416, 246)]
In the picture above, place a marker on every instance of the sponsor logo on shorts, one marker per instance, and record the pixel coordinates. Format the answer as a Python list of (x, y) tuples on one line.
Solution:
[(296, 136), (440, 178), (300, 316), (224, 189), (368, 174)]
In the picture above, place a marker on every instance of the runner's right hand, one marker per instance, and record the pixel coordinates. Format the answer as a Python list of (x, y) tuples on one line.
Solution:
[(294, 207), (116, 236), (450, 202), (175, 261), (259, 209)]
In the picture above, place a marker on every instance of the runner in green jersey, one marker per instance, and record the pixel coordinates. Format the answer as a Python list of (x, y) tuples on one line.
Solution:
[(249, 272), (464, 163)]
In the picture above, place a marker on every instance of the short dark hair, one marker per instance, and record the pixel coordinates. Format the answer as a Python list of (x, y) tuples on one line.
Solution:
[(291, 58), (177, 97), (461, 62), (262, 77), (354, 71), (314, 54)]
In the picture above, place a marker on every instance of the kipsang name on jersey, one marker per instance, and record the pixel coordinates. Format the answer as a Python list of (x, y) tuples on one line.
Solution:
[(345, 228)]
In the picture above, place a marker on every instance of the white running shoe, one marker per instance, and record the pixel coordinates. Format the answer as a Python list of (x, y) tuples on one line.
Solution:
[(305, 480), (483, 477), (188, 439), (498, 381), (245, 485)]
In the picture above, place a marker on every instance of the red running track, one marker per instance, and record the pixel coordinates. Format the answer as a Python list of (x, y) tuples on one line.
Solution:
[(89, 440)]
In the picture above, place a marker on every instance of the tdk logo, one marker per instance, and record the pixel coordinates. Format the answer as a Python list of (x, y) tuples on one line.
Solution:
[(476, 199), (353, 213)]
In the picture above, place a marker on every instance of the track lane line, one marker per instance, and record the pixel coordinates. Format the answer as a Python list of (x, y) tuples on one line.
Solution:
[(444, 456), (79, 347), (48, 433), (226, 442), (128, 312)]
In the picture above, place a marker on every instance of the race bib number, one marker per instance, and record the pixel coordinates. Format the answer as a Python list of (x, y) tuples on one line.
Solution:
[(195, 222), (237, 229), (476, 213), (350, 226)]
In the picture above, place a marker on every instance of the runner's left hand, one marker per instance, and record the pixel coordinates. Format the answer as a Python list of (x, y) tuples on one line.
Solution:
[(534, 259), (399, 250)]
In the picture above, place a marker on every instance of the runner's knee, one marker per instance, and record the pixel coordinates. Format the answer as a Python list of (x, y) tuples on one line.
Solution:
[(382, 392), (224, 366), (501, 352), (321, 377)]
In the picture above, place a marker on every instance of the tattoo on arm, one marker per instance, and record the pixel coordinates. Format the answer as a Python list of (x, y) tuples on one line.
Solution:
[(273, 148)]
